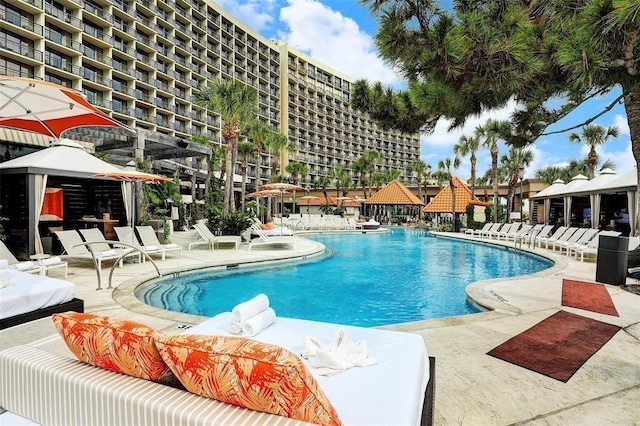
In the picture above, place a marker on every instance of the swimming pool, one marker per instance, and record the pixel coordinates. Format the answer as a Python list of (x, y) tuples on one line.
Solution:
[(369, 280)]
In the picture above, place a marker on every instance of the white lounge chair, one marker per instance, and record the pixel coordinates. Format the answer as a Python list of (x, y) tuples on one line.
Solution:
[(13, 263), (102, 245), (506, 231), (591, 247), (554, 236), (572, 235), (583, 239), (126, 235), (493, 232), (149, 238), (477, 232), (74, 248), (213, 241), (275, 241), (493, 228)]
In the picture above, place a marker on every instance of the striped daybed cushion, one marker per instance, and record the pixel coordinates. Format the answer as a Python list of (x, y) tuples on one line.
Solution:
[(53, 389)]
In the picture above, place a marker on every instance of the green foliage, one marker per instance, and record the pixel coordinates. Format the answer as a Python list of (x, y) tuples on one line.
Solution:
[(233, 223), (445, 227)]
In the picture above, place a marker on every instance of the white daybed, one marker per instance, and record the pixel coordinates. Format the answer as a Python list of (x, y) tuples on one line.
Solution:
[(391, 392), (28, 297), (398, 390)]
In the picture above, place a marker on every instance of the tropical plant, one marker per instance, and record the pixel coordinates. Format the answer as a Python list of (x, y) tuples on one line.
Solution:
[(448, 166), (421, 169), (392, 174), (323, 183), (490, 134), (361, 168), (298, 171), (378, 180), (549, 174), (593, 135), (279, 144), (469, 145), (237, 105), (340, 177), (232, 223), (258, 132), (511, 163), (245, 151), (371, 158)]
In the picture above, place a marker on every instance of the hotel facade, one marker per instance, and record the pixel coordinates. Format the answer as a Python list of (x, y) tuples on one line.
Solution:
[(142, 62)]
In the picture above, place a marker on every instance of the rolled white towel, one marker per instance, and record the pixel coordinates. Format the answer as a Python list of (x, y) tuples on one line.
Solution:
[(4, 264), (24, 266), (236, 328), (245, 310), (259, 322), (171, 245), (107, 253), (51, 261), (151, 248)]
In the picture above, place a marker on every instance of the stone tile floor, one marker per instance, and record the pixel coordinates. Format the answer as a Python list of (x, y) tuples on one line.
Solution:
[(472, 388)]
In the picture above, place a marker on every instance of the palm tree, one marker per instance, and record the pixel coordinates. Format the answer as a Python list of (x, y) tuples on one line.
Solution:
[(322, 183), (469, 145), (297, 170), (378, 180), (258, 132), (337, 175), (392, 174), (372, 158), (237, 104), (511, 163), (448, 166), (490, 134), (360, 168), (549, 174), (593, 135), (420, 168), (245, 151), (279, 143)]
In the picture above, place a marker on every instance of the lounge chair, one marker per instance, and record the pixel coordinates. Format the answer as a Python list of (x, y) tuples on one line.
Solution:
[(583, 239), (493, 228), (102, 245), (493, 232), (149, 238), (570, 236), (477, 232), (74, 248), (13, 263), (126, 235), (275, 241), (506, 230), (591, 247), (554, 236), (213, 241)]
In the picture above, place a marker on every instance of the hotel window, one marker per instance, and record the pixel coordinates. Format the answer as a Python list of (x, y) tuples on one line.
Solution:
[(58, 80), (119, 105), (14, 15), (58, 60), (10, 67), (17, 44)]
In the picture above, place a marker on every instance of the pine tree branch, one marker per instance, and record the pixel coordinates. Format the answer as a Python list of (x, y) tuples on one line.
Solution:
[(589, 120)]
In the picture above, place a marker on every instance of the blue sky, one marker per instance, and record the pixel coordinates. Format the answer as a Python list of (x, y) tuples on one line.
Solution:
[(340, 33)]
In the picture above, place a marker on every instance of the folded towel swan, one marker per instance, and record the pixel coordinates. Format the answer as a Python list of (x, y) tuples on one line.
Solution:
[(339, 355)]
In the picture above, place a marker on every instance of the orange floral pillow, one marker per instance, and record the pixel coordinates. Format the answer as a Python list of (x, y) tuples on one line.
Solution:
[(247, 373), (124, 346)]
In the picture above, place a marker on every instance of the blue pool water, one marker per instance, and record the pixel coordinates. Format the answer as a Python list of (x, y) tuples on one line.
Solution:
[(371, 280)]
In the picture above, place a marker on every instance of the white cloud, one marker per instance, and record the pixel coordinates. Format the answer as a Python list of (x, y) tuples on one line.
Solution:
[(333, 39), (621, 122), (623, 160), (257, 14), (441, 135)]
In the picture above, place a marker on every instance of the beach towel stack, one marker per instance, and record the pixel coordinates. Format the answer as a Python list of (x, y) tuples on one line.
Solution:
[(339, 355), (251, 317)]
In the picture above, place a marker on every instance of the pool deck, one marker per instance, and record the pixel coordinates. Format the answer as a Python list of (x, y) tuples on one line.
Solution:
[(472, 388)]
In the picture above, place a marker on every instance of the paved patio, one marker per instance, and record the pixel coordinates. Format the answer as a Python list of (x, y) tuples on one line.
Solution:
[(472, 388)]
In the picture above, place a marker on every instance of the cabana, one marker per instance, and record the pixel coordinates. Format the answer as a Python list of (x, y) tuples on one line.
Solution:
[(442, 203), (56, 187), (595, 202), (394, 200)]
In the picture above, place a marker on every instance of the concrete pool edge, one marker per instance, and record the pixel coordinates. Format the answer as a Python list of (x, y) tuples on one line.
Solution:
[(481, 293), (125, 293)]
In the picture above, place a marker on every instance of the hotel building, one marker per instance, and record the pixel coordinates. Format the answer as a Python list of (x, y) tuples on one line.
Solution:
[(143, 61)]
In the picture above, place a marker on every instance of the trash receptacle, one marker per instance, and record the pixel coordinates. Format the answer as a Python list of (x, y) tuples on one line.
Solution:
[(613, 255)]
